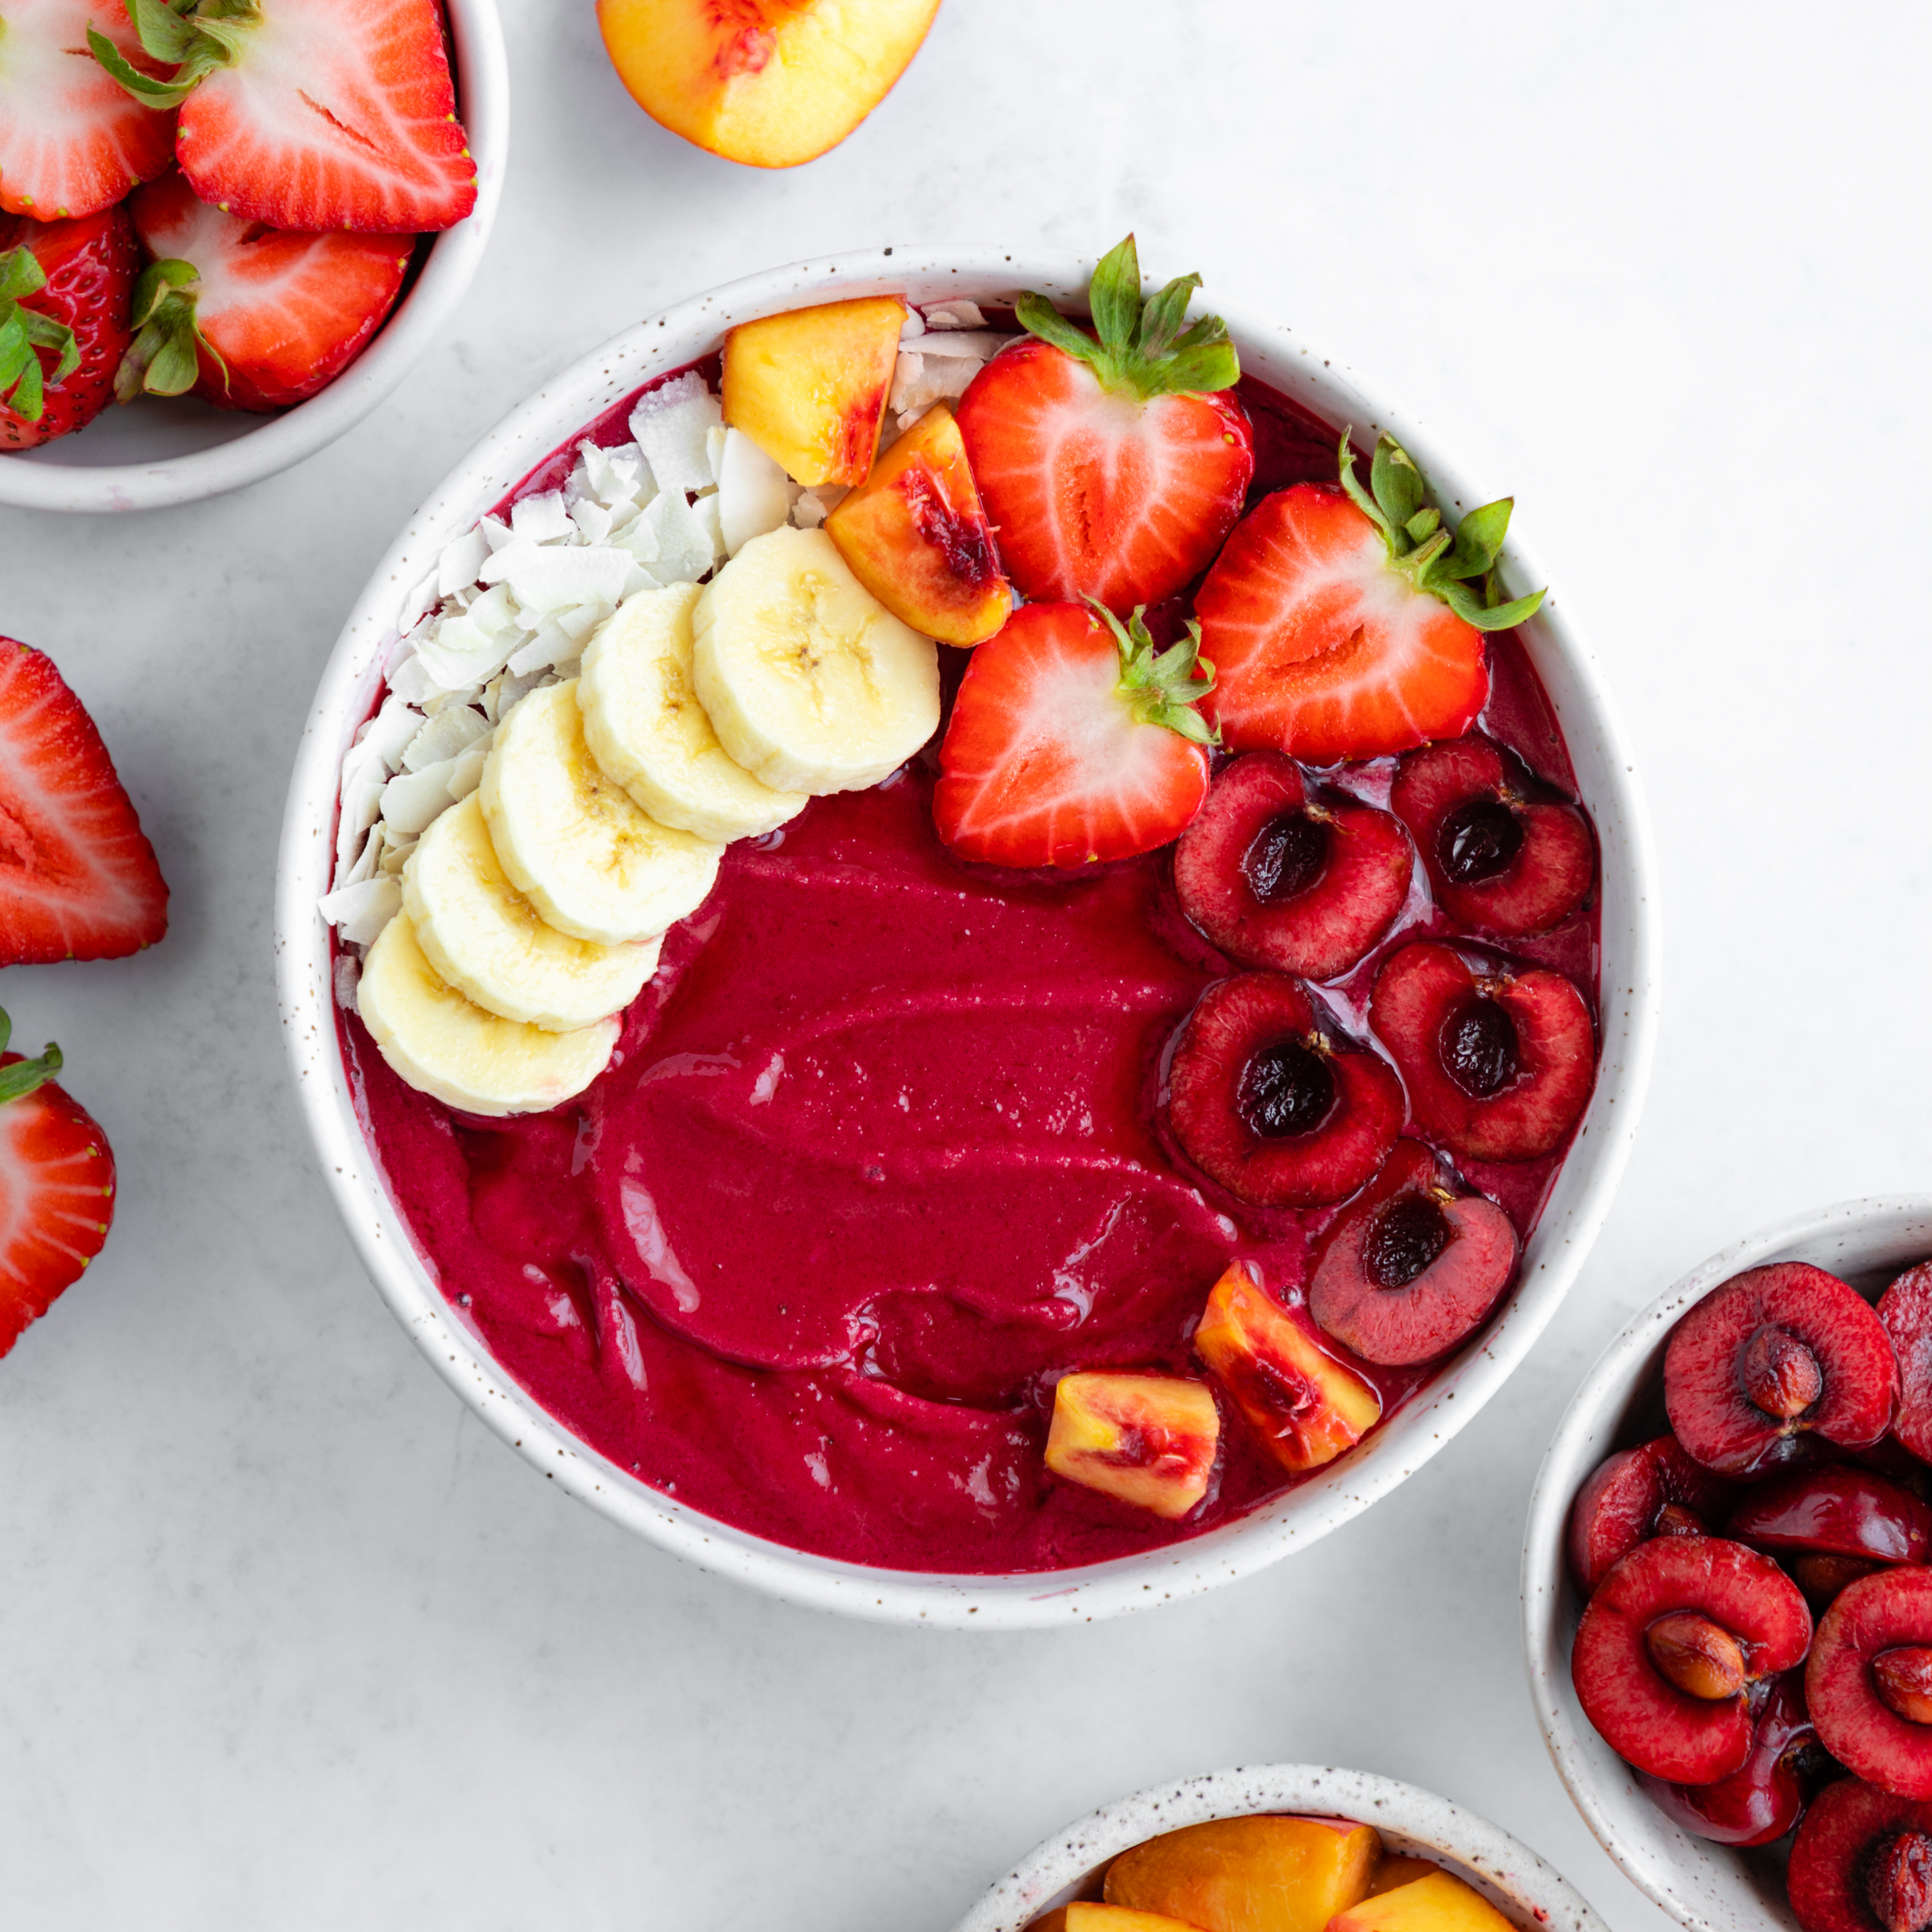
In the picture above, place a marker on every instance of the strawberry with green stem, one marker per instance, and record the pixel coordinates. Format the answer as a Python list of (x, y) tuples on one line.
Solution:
[(64, 293), (1348, 623)]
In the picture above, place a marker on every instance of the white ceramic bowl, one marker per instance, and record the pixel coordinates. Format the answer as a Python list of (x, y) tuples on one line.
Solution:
[(1577, 1207), (156, 451), (1505, 1870), (1709, 1887)]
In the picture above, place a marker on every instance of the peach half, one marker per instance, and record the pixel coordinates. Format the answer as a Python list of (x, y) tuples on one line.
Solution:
[(1085, 1915), (916, 537), (1249, 1874), (1146, 1439), (809, 386), (1306, 1405), (770, 82)]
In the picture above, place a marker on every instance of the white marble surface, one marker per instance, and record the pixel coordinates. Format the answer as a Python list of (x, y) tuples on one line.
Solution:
[(291, 1643)]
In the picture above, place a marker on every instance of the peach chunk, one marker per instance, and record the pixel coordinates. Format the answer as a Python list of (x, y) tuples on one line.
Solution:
[(767, 82), (809, 386), (1147, 1440), (1083, 1916), (916, 538), (1399, 1868), (1249, 1874), (1306, 1407), (1438, 1903)]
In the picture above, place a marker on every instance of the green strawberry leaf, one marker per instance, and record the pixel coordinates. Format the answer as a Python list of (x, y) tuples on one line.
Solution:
[(194, 37), (1162, 687), (1480, 538), (24, 332), (21, 1079), (1137, 346), (164, 359), (1396, 482)]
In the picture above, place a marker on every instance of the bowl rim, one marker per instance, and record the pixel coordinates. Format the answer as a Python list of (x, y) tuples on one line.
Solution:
[(1588, 1432), (280, 442), (555, 412), (1514, 1878)]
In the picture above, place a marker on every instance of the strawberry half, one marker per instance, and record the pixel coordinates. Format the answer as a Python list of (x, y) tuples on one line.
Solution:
[(250, 316), (56, 1188), (1344, 625), (65, 291), (1109, 463), (78, 879), (309, 114), (1072, 739), (72, 142)]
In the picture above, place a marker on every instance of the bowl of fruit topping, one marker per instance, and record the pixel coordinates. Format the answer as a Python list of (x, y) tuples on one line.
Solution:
[(952, 958), (227, 229), (1727, 1605), (1280, 1849)]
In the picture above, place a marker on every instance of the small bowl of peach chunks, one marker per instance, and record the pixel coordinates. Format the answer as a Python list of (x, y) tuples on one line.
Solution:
[(1281, 1848)]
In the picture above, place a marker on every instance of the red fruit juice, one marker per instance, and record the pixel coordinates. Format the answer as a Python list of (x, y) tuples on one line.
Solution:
[(878, 1159)]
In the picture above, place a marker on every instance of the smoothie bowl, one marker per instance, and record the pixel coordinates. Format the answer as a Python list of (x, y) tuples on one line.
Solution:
[(851, 1199), (1748, 1466), (1265, 1846)]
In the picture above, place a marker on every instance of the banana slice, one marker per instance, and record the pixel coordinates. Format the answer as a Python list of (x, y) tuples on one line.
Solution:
[(571, 840), (811, 684), (455, 1052), (646, 729), (480, 933)]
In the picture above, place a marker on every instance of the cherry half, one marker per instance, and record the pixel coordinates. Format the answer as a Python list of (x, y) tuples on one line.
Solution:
[(1412, 1266), (1496, 859), (1498, 1068), (1266, 1096), (1869, 1680), (1905, 1310), (1652, 1490), (1762, 1799), (1775, 1355), (1862, 1858), (1278, 878)]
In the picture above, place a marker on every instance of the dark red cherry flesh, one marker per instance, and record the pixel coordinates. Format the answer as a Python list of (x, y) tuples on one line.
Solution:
[(1905, 1310), (1651, 1704), (1840, 1511), (1775, 1355), (1868, 1681), (1497, 860), (1279, 877), (1266, 1096), (1862, 1858), (1413, 1266), (1499, 1068), (1762, 1799), (1652, 1490)]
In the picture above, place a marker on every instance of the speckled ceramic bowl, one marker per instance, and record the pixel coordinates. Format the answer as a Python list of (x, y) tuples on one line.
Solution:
[(1069, 1865), (1708, 1887), (154, 452), (1578, 1203)]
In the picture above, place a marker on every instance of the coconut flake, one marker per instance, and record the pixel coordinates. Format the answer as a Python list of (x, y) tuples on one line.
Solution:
[(348, 976), (410, 681), (412, 799), (449, 732), (954, 315), (754, 494), (542, 519), (462, 655), (670, 423), (681, 549), (551, 580), (808, 512), (468, 774), (496, 532), (359, 912), (705, 509), (419, 602), (457, 566), (592, 520), (714, 451)]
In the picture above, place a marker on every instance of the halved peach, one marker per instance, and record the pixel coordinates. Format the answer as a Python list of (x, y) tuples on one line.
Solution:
[(770, 82), (1147, 1440), (1249, 1874), (1084, 1915), (916, 537), (1306, 1405), (1401, 1868), (1438, 1903), (809, 386)]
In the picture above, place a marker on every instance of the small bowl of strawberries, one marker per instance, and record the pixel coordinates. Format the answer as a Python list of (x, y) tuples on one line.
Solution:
[(228, 230), (1728, 1603)]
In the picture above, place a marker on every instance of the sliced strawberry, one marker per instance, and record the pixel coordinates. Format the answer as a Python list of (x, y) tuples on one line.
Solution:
[(1072, 739), (1343, 625), (56, 1188), (72, 141), (1111, 465), (248, 316), (311, 114), (66, 288), (78, 880)]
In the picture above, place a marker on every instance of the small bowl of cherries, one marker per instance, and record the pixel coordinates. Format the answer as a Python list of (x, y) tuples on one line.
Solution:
[(1728, 1583)]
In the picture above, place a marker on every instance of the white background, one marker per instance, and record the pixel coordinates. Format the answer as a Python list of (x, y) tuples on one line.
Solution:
[(287, 1640)]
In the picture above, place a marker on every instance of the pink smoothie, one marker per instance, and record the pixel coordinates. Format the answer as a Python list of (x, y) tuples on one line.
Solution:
[(878, 1160)]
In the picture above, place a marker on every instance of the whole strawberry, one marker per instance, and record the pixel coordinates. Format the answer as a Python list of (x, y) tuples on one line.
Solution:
[(56, 1188), (1111, 463), (66, 290)]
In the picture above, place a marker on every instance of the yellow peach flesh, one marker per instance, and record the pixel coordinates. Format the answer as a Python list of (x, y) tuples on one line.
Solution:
[(1146, 1439), (1249, 1874)]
